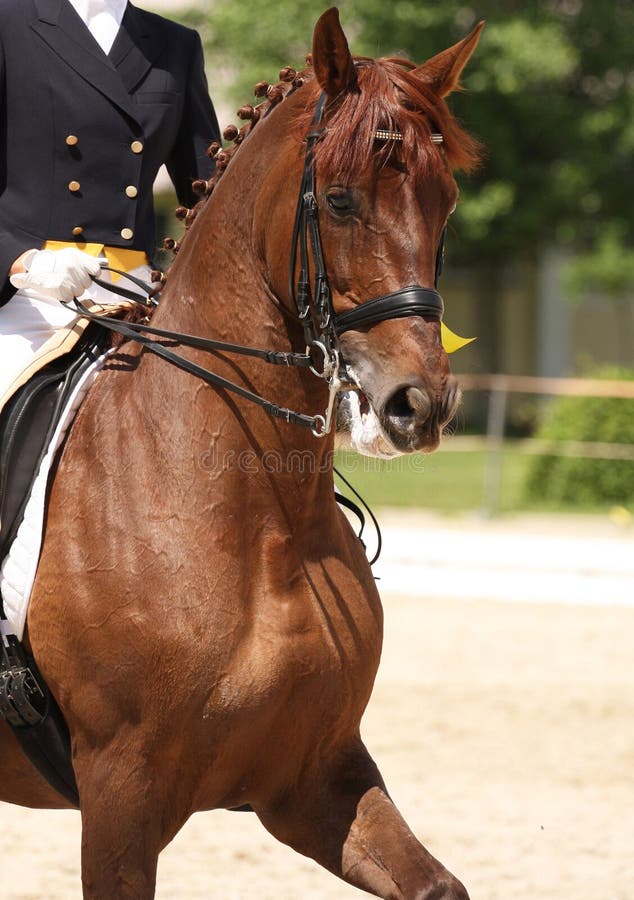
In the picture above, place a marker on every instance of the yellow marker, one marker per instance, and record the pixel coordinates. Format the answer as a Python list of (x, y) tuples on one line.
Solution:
[(452, 342)]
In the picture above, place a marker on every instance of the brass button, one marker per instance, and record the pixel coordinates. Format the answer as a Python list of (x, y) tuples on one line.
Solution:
[(74, 186), (127, 234), (136, 146), (77, 230), (72, 140), (131, 191)]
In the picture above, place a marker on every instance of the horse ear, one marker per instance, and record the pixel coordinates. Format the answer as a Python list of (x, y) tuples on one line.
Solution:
[(332, 60), (443, 71)]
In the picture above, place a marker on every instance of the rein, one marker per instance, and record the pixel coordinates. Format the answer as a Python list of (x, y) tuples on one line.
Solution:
[(137, 332)]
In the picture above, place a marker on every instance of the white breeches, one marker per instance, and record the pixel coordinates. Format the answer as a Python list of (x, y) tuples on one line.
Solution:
[(31, 325)]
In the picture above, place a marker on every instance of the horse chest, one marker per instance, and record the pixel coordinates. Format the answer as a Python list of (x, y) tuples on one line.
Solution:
[(311, 651)]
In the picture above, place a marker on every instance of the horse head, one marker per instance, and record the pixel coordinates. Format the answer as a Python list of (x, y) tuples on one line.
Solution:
[(384, 166), (377, 146)]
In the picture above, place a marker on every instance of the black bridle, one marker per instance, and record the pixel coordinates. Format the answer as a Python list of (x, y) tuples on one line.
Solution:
[(322, 325)]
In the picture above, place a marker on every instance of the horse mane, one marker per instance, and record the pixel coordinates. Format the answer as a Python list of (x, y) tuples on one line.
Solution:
[(271, 95), (389, 97)]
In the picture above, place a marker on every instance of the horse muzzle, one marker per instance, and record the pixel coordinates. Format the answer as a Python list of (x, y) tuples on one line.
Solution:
[(406, 420), (413, 421)]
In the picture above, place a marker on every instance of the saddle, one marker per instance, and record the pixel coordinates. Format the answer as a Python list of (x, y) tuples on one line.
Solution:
[(27, 423)]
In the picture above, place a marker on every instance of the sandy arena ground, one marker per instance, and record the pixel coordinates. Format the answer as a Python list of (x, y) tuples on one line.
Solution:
[(504, 730)]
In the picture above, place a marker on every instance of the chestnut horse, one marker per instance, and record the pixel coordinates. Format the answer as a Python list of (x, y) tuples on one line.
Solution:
[(203, 612)]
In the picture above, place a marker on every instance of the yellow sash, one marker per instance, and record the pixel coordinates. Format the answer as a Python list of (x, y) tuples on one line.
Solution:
[(118, 257)]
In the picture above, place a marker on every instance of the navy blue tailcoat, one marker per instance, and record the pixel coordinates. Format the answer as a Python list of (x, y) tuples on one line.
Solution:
[(83, 134)]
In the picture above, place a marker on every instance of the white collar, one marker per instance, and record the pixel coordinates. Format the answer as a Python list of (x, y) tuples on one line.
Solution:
[(86, 9)]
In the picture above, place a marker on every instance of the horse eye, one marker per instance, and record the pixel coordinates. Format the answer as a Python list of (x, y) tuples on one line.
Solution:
[(340, 201)]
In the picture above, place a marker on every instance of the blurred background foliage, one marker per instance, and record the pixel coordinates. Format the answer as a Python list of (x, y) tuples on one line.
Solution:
[(573, 480)]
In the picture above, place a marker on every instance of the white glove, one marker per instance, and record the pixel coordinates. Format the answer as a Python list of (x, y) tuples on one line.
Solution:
[(57, 274)]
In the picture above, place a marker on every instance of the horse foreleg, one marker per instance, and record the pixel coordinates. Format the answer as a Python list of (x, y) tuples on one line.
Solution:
[(344, 819), (127, 819)]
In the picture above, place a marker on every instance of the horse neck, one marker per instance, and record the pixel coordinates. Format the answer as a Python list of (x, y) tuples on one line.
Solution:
[(220, 286)]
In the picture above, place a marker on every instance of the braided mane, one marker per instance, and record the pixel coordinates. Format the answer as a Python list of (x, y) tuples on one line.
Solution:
[(270, 95)]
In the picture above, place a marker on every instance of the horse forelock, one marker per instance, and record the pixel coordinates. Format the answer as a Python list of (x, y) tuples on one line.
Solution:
[(391, 98)]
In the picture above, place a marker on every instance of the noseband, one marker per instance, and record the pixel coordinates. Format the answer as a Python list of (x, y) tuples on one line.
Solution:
[(409, 301), (322, 325)]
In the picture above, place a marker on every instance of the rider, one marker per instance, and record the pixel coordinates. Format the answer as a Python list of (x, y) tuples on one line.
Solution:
[(95, 95)]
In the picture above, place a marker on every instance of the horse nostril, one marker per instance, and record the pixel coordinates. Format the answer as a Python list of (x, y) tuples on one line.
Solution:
[(408, 409), (419, 402)]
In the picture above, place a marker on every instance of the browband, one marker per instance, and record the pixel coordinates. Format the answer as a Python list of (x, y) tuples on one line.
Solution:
[(383, 135), (410, 301)]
